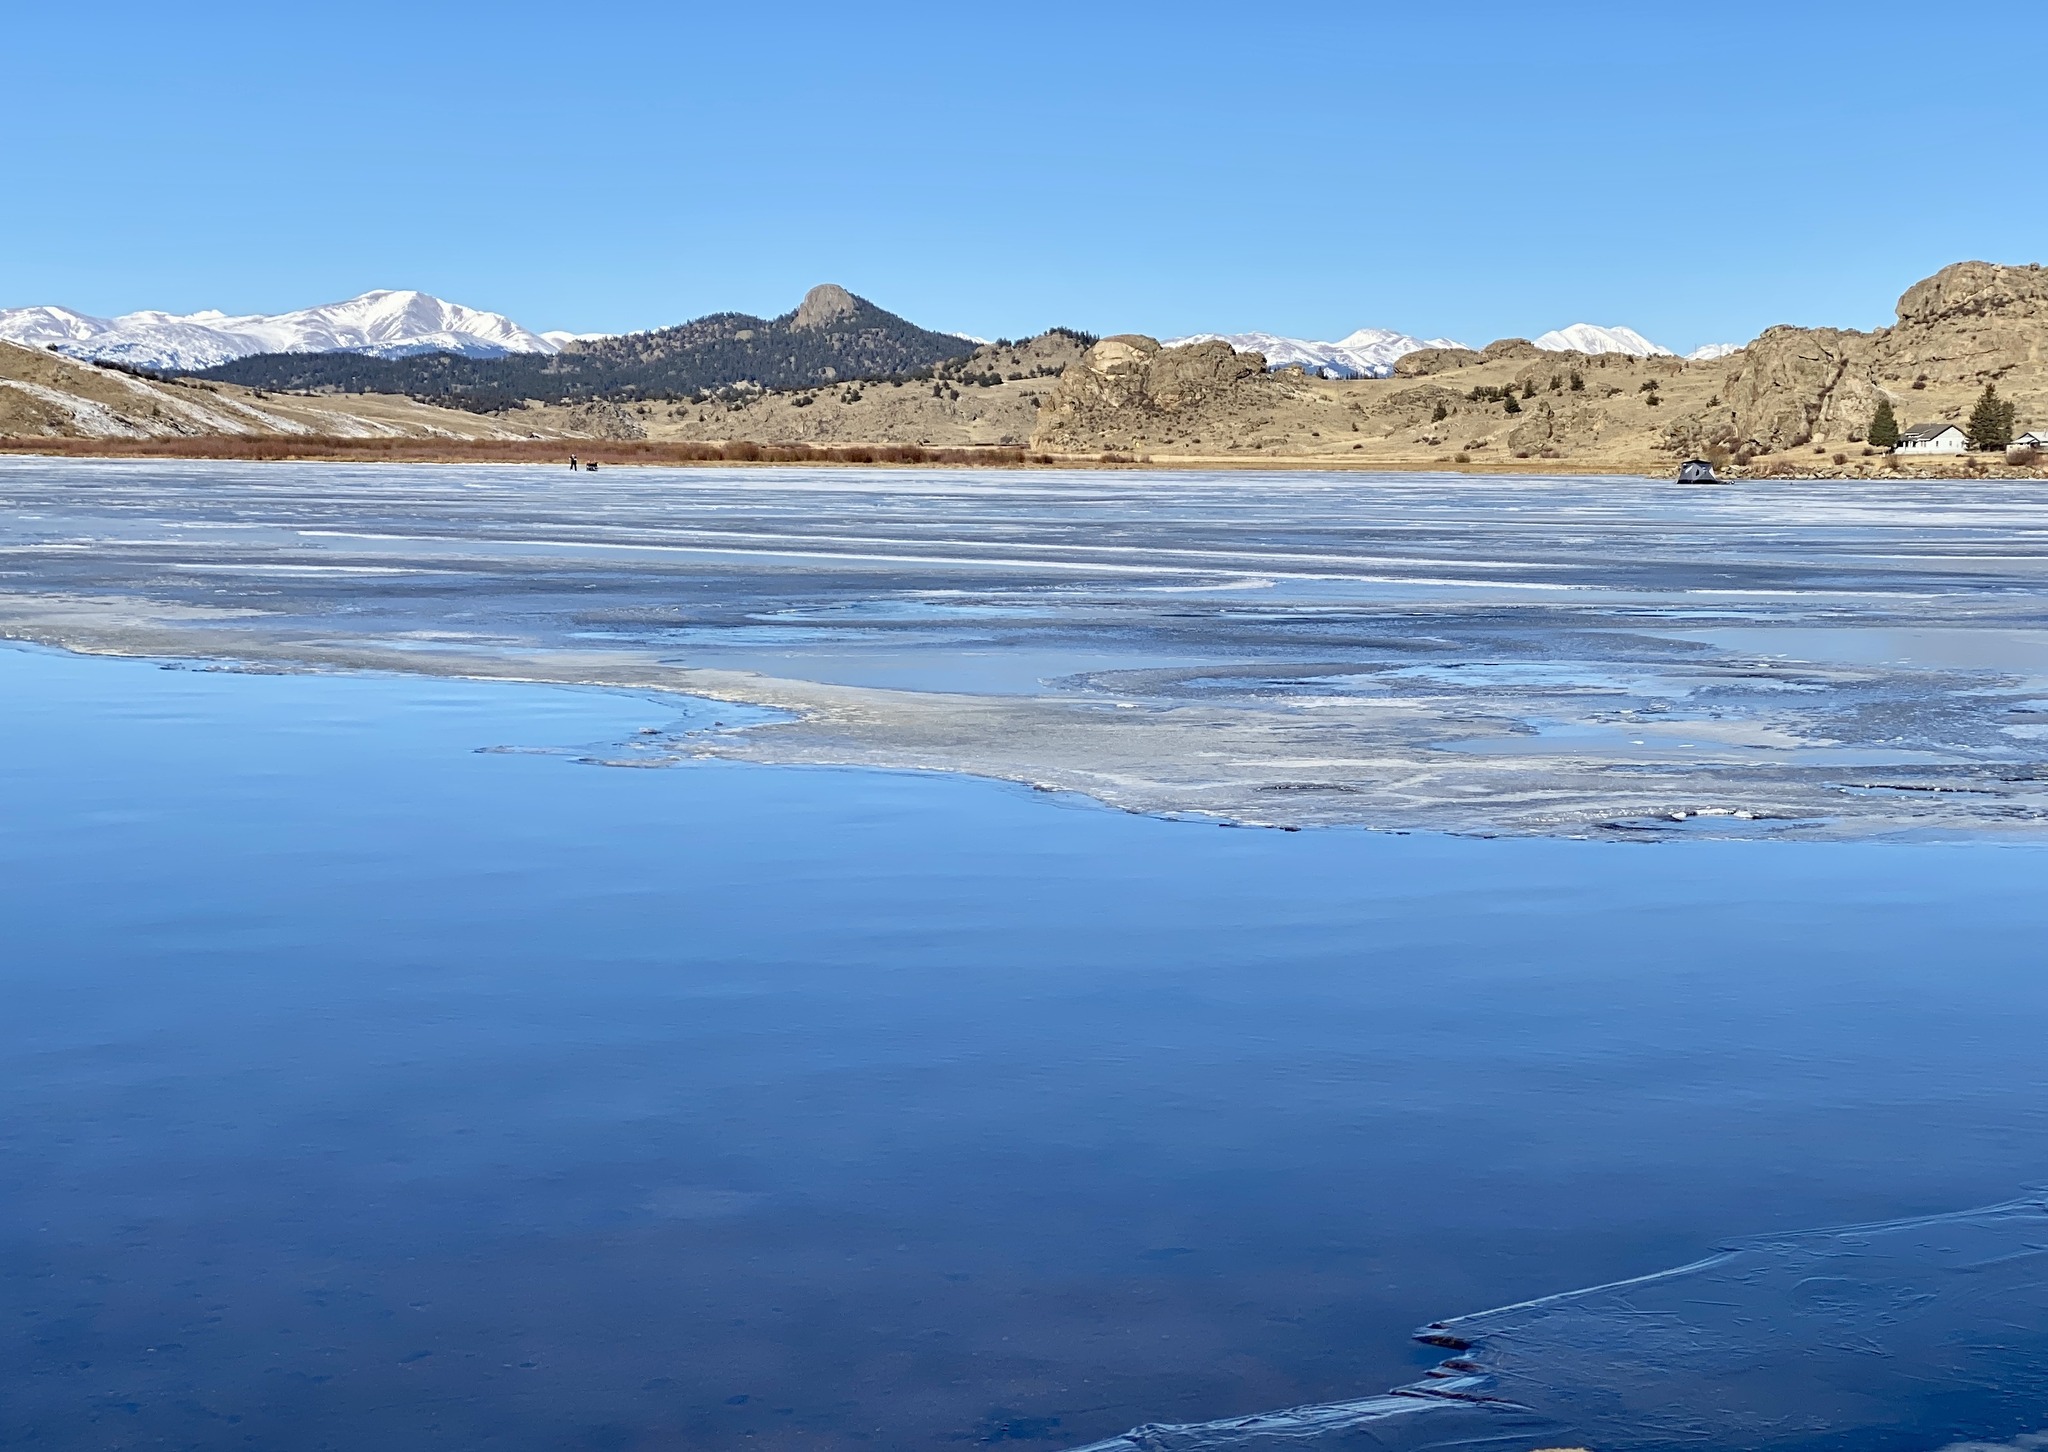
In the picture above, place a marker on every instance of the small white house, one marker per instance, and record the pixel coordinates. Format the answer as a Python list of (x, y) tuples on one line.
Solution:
[(2032, 439), (1934, 438)]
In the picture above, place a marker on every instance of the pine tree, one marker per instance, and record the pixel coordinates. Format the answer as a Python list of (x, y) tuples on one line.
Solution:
[(1991, 421), (1884, 427), (1511, 405)]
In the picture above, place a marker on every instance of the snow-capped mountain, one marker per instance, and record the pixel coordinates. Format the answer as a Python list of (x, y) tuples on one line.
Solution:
[(1592, 338), (1367, 353), (1708, 352), (388, 324)]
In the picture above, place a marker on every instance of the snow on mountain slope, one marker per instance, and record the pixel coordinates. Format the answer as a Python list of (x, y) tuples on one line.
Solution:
[(47, 395), (1708, 352), (1367, 353), (389, 324), (1592, 338)]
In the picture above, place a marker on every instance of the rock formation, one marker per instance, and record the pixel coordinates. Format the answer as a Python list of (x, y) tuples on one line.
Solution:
[(823, 305), (1128, 392), (1809, 390)]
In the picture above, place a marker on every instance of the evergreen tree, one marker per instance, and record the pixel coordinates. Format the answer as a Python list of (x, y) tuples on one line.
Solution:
[(1884, 427), (1512, 406), (1991, 421)]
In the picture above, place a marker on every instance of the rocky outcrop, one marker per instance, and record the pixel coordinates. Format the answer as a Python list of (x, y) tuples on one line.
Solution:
[(1970, 323), (1782, 388), (1425, 361), (824, 305), (1129, 392)]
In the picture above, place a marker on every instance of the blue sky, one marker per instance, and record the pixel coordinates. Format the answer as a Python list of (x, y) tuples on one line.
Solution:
[(1474, 170)]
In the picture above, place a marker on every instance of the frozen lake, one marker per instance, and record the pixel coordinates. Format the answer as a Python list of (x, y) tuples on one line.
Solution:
[(1573, 657), (369, 1088), (388, 1069)]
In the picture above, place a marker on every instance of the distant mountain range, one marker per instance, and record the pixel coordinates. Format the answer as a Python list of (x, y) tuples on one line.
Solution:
[(377, 324), (831, 337), (1372, 352), (415, 344), (1592, 338), (1367, 353)]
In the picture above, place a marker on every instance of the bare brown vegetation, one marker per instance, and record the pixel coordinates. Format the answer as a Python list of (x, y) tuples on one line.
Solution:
[(506, 451)]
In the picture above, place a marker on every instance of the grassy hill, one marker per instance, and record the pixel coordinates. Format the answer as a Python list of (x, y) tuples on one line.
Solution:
[(832, 337)]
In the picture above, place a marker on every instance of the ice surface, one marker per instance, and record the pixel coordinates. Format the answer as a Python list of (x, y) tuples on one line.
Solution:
[(1578, 657), (1900, 1337)]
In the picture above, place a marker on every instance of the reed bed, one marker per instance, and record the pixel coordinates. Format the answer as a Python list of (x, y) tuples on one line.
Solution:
[(267, 447)]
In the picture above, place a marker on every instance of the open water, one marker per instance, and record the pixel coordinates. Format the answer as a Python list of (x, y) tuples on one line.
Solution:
[(366, 1087)]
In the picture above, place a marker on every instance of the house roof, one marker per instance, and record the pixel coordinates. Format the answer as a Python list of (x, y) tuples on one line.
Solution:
[(1921, 433)]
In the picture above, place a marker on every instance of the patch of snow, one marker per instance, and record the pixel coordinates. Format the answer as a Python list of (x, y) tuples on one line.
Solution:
[(561, 338), (386, 324), (1708, 352), (1367, 353), (1593, 338), (91, 418)]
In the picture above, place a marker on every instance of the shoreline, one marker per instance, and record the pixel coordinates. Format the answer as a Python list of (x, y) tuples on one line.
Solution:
[(620, 453)]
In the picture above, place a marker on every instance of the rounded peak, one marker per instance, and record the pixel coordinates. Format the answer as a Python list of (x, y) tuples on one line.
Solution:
[(825, 303)]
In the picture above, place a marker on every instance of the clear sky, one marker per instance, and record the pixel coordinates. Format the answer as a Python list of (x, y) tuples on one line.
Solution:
[(1476, 170)]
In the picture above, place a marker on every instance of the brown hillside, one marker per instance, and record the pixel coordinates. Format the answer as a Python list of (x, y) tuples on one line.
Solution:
[(1794, 398)]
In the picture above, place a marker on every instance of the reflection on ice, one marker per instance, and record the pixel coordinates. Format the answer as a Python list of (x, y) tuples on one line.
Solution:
[(1908, 1336)]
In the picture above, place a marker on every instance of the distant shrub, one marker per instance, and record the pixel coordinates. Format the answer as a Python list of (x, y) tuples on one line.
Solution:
[(1510, 404), (1439, 416), (2025, 456), (1841, 459), (1578, 382), (1461, 458)]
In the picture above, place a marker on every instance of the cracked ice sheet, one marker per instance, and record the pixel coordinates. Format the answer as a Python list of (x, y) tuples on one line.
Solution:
[(1900, 1337), (1559, 656)]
